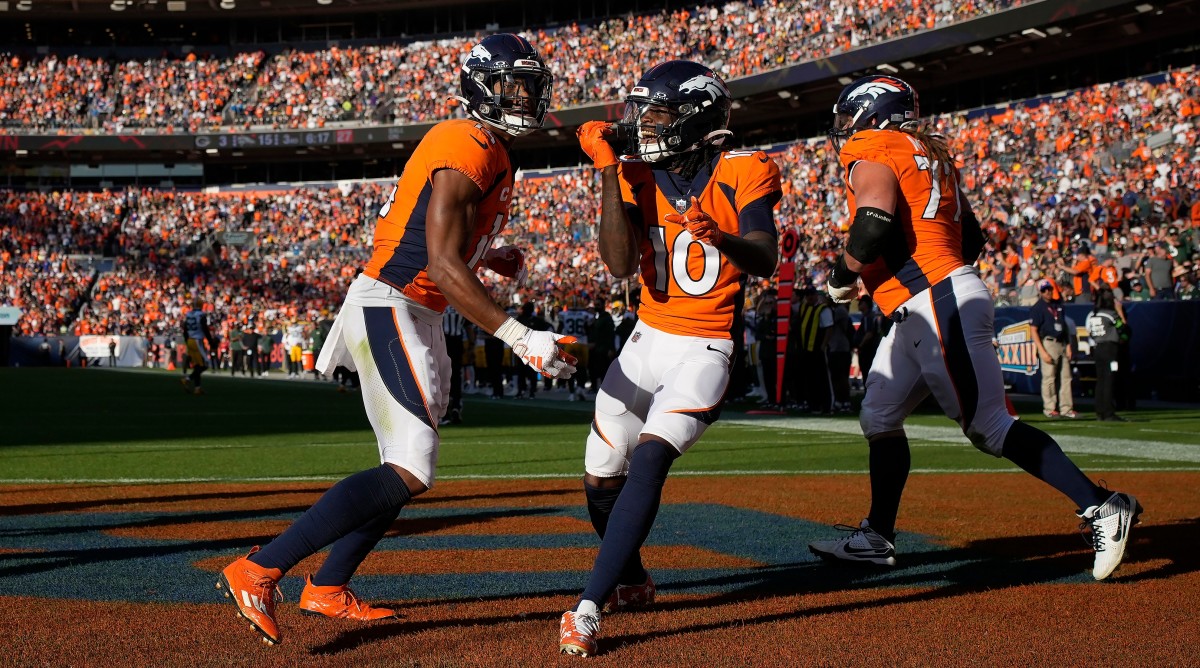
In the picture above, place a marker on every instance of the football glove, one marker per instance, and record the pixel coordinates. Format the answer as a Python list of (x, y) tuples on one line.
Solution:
[(593, 139), (539, 349), (508, 261), (844, 294), (701, 225)]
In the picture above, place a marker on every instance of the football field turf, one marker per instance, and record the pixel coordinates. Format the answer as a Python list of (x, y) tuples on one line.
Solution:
[(121, 498), (96, 425)]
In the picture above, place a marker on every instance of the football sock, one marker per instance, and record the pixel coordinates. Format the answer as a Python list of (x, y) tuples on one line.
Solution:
[(350, 550), (632, 517), (196, 376), (351, 504), (1035, 451), (600, 504), (889, 463)]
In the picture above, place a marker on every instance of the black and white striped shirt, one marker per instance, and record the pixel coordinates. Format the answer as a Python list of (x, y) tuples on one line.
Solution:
[(453, 324)]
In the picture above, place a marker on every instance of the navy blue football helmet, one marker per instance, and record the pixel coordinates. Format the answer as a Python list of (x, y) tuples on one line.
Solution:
[(696, 105), (506, 84), (873, 102)]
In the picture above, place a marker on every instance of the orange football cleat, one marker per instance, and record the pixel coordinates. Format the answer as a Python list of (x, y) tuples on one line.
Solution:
[(339, 602), (625, 597), (255, 591), (577, 632)]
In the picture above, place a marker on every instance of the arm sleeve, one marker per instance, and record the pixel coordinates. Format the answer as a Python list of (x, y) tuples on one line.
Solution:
[(973, 240), (759, 215)]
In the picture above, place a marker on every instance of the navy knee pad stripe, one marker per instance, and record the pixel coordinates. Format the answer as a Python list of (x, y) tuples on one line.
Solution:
[(956, 351), (391, 358)]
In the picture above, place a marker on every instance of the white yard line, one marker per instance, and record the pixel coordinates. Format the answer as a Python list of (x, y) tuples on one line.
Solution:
[(555, 476), (1071, 443)]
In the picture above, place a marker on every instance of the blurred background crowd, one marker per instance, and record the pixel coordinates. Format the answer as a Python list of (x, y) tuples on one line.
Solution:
[(414, 81), (1096, 186)]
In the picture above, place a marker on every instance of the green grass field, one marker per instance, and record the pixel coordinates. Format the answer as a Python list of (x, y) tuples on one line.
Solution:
[(96, 425)]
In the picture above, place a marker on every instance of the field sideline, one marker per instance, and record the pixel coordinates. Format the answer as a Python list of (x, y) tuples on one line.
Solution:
[(121, 497)]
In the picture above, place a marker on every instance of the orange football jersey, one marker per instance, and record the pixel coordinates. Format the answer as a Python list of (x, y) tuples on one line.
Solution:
[(401, 257), (690, 288), (929, 212)]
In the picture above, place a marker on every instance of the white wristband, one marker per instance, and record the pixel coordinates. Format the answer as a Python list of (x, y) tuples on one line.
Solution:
[(511, 332)]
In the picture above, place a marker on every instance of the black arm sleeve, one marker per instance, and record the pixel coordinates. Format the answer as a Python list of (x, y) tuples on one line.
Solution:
[(972, 237), (869, 233)]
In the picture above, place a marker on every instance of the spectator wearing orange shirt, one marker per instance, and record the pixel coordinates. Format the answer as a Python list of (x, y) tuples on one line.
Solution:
[(1083, 272)]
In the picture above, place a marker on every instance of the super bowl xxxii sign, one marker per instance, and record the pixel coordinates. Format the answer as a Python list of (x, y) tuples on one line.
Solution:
[(1017, 350)]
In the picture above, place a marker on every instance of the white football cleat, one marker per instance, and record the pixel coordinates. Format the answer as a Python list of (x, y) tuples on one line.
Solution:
[(862, 546), (1110, 523)]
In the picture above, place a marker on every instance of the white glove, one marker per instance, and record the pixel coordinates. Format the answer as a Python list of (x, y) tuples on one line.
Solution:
[(844, 294), (538, 349)]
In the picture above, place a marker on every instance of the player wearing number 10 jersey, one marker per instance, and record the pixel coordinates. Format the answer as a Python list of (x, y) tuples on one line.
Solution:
[(913, 240), (697, 220)]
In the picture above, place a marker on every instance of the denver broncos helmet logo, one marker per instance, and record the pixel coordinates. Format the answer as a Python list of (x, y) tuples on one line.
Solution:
[(874, 89), (705, 83), (480, 53)]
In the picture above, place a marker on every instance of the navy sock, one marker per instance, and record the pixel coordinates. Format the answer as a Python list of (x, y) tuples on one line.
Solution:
[(1035, 451), (889, 463), (632, 517), (350, 550), (349, 505), (600, 504)]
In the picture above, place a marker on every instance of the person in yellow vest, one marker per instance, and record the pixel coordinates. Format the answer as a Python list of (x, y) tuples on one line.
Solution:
[(808, 335)]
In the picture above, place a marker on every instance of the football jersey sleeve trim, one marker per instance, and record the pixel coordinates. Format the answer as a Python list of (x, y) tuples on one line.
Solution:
[(759, 215), (466, 171)]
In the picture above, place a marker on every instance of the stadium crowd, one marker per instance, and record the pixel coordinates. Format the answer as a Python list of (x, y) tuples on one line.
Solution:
[(413, 82), (1097, 185)]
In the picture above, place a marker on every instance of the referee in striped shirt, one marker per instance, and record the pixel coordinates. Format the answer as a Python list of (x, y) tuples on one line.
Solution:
[(454, 325)]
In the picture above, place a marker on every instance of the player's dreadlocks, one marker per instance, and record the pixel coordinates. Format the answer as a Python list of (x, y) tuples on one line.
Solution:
[(933, 141), (689, 164)]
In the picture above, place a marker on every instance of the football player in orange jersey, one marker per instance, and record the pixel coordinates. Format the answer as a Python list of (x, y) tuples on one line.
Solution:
[(912, 243), (696, 220), (435, 228)]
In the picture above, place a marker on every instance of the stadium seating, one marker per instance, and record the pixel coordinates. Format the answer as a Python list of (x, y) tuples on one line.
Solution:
[(1037, 187), (412, 82)]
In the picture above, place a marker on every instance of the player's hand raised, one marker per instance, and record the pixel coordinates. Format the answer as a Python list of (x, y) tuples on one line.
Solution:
[(701, 225), (593, 139)]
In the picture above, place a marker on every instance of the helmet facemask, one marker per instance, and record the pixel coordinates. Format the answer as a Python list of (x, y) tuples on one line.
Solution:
[(656, 131), (843, 128), (513, 99)]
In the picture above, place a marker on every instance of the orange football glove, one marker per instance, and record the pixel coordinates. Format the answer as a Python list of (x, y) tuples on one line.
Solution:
[(701, 225), (592, 139)]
